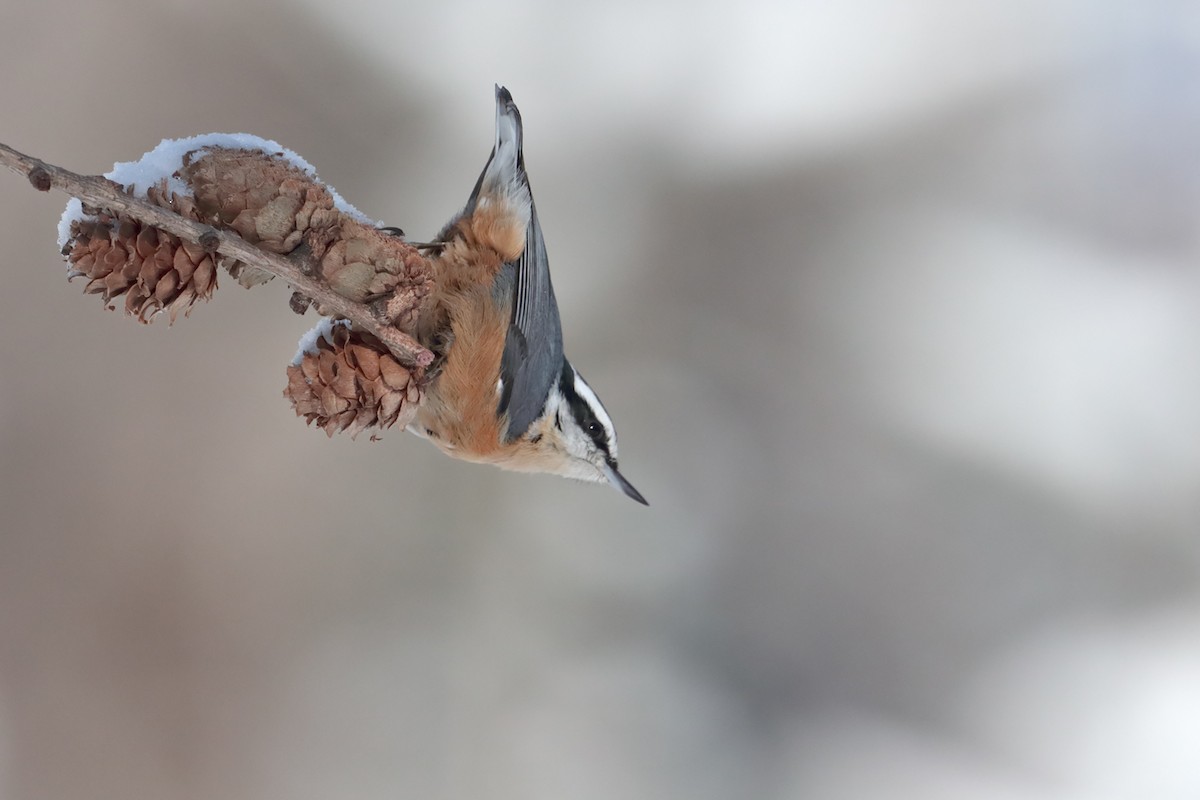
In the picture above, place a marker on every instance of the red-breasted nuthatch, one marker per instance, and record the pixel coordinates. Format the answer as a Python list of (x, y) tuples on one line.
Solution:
[(504, 393)]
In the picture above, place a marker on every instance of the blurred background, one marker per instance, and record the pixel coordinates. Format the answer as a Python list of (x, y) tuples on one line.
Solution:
[(894, 304)]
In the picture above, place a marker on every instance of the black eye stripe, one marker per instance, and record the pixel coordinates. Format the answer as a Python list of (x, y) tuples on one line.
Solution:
[(581, 412), (595, 432)]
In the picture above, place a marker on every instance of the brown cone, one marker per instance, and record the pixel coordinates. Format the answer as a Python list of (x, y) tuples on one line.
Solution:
[(352, 383), (365, 263), (154, 270), (268, 201)]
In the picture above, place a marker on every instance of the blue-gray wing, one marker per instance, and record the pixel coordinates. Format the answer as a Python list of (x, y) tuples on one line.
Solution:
[(533, 348)]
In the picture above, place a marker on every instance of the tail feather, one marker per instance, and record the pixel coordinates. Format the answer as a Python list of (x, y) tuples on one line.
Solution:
[(504, 176), (509, 131)]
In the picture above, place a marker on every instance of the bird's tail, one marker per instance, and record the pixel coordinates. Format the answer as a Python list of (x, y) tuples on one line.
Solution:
[(504, 176)]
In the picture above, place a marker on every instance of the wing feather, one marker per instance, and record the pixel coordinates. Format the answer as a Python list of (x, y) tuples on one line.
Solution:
[(533, 355)]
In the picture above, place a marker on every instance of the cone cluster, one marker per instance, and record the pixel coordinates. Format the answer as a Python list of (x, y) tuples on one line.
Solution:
[(349, 381), (153, 270), (352, 383), (270, 203), (277, 206)]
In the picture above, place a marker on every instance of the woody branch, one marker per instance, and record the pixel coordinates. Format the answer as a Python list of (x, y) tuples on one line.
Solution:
[(294, 268)]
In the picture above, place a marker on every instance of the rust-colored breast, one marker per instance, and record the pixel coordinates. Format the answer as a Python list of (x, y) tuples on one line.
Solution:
[(460, 407)]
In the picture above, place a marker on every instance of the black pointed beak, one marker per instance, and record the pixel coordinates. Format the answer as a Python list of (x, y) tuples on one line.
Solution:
[(618, 481)]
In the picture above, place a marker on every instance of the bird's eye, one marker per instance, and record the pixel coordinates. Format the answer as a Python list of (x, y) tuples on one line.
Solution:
[(593, 427)]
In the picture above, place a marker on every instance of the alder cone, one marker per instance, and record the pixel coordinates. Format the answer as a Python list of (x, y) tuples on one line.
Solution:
[(266, 200), (351, 382), (154, 270), (365, 263)]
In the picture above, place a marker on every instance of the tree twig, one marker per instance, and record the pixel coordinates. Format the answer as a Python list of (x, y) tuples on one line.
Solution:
[(103, 193)]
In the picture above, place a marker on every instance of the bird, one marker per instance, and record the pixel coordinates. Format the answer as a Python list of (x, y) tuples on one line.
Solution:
[(502, 391)]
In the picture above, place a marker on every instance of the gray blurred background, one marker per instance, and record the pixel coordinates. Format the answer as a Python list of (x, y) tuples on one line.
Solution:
[(894, 304)]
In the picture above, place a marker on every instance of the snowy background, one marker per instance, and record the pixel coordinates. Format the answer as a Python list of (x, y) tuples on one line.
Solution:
[(895, 306)]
